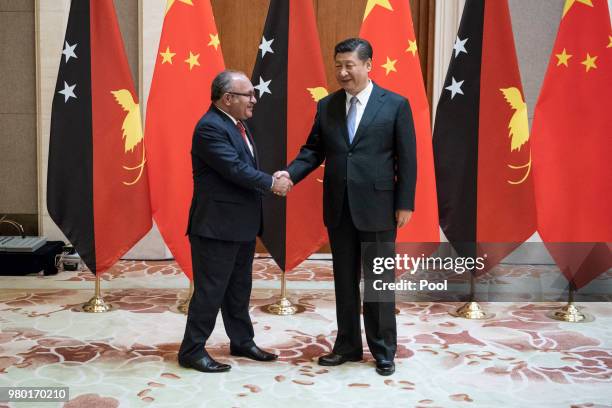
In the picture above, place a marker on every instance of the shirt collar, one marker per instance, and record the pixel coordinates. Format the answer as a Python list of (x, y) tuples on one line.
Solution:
[(362, 96), (227, 114)]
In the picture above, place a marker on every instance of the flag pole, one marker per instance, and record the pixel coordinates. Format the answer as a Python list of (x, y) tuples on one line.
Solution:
[(183, 307), (472, 309), (570, 312), (97, 304), (284, 307)]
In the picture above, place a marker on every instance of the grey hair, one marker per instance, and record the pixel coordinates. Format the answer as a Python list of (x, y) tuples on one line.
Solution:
[(222, 83)]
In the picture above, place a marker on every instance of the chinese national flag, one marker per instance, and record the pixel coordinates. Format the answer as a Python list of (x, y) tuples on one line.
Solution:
[(188, 59), (289, 78), (97, 186), (572, 143), (387, 25), (481, 138)]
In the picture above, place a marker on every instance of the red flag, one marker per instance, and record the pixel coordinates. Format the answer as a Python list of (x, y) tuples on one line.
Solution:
[(387, 25), (506, 209), (572, 145), (188, 59), (306, 84), (97, 186)]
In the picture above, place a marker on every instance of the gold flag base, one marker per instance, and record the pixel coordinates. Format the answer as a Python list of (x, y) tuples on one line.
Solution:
[(96, 304), (571, 314), (471, 310), (283, 307)]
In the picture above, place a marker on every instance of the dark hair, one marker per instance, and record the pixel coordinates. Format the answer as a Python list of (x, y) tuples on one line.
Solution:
[(363, 48), (222, 83)]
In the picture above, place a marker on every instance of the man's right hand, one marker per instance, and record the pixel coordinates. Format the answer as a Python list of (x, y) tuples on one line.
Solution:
[(282, 184), (281, 173)]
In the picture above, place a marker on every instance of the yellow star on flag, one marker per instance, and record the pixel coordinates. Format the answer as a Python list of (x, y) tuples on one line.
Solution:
[(170, 3), (214, 41), (373, 3), (192, 60), (412, 47), (570, 3), (389, 65), (610, 43), (589, 62), (167, 55), (563, 58)]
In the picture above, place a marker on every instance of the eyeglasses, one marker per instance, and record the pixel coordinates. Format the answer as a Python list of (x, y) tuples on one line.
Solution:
[(248, 95)]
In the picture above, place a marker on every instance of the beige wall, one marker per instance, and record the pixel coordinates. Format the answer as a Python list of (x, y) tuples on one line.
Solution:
[(18, 181)]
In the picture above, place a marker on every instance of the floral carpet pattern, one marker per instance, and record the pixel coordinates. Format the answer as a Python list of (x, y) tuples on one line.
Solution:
[(127, 357)]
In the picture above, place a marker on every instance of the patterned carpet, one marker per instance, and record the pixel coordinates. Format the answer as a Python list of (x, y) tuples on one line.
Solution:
[(127, 357)]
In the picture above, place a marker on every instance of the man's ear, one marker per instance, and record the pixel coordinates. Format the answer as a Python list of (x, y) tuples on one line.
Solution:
[(369, 64), (225, 99)]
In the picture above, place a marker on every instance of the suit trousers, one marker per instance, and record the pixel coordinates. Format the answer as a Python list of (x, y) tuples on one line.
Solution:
[(222, 278), (346, 243)]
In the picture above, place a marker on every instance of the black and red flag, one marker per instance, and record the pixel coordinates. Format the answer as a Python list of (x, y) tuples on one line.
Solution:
[(482, 152), (289, 79), (97, 186)]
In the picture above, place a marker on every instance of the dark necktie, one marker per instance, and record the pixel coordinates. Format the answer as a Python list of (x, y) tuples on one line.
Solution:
[(242, 130)]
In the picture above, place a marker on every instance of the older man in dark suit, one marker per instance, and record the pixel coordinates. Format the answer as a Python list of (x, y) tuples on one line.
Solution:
[(224, 219), (366, 136)]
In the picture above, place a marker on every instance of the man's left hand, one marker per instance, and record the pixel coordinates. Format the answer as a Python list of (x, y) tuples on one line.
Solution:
[(402, 217)]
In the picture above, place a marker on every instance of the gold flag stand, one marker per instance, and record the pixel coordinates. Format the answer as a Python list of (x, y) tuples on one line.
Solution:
[(472, 309), (183, 306), (97, 304), (283, 307), (570, 312)]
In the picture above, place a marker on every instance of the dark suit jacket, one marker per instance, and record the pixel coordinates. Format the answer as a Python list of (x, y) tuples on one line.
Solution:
[(377, 171), (227, 184)]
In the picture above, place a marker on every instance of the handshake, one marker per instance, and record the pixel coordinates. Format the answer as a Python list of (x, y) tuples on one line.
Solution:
[(282, 183)]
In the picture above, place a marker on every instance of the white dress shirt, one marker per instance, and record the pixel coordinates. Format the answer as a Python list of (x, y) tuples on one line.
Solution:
[(362, 100), (235, 123)]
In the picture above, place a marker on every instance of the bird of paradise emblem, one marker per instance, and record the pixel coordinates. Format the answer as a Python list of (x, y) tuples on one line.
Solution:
[(132, 131), (518, 130)]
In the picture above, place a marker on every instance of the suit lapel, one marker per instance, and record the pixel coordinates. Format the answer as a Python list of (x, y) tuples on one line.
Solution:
[(371, 109), (254, 156), (235, 133)]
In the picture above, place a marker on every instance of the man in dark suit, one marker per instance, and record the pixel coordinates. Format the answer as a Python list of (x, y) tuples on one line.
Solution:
[(366, 135), (224, 219)]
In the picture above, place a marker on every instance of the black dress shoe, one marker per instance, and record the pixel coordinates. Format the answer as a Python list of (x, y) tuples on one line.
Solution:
[(206, 365), (333, 359), (253, 352), (384, 367)]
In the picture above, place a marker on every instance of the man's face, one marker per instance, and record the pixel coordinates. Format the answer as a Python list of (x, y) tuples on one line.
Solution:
[(241, 99), (351, 72)]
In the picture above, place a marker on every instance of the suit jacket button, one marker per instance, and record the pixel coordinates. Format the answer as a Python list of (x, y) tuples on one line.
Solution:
[(350, 154)]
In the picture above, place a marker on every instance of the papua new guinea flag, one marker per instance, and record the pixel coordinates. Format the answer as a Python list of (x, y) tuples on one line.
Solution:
[(289, 79), (97, 185), (482, 153)]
